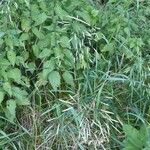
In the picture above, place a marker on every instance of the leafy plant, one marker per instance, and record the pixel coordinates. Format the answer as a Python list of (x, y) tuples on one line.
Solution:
[(38, 41), (71, 73), (136, 139)]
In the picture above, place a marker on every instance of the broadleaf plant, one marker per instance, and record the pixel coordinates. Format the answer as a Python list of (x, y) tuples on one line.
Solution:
[(136, 139)]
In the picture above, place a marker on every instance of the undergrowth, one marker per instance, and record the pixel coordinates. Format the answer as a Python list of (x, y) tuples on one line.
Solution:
[(74, 75)]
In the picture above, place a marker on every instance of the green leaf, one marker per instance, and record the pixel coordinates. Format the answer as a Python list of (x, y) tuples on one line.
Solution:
[(78, 28), (130, 147), (2, 94), (3, 75), (21, 96), (85, 16), (25, 81), (11, 55), (9, 41), (68, 78), (43, 5), (69, 56), (10, 111), (58, 53), (54, 79), (43, 43), (132, 137), (4, 63), (14, 74), (61, 13), (45, 53), (25, 55), (24, 37), (40, 18), (108, 48), (7, 88), (144, 133), (128, 53), (25, 24), (65, 42), (23, 102), (1, 34), (31, 67), (48, 66), (69, 59), (36, 50), (128, 129), (39, 34), (20, 61)]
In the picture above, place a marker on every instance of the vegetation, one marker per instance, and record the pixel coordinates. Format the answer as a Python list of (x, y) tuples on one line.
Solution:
[(75, 75)]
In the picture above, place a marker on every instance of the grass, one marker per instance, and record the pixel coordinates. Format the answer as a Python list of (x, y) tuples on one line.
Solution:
[(112, 90)]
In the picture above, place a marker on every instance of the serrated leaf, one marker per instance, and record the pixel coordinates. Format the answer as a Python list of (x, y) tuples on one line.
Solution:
[(25, 24), (9, 41), (39, 34), (2, 94), (65, 42), (3, 74), (54, 79), (4, 63), (11, 55), (21, 96), (40, 18), (45, 53), (69, 56), (69, 59), (48, 66), (25, 81), (61, 13), (25, 55), (19, 93), (68, 78), (20, 60), (43, 43), (24, 37), (85, 16), (58, 53), (22, 102), (43, 5), (7, 88), (14, 74), (10, 111)]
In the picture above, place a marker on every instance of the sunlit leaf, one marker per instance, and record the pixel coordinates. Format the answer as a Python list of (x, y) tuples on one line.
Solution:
[(11, 55), (54, 79), (7, 88), (10, 111), (14, 74), (68, 78)]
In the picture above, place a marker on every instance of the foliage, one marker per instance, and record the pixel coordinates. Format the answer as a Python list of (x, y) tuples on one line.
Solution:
[(40, 41), (72, 73), (137, 139)]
